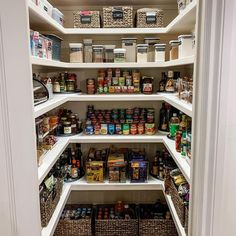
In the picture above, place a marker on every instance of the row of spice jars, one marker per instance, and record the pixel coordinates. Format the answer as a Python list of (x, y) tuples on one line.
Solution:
[(68, 123)]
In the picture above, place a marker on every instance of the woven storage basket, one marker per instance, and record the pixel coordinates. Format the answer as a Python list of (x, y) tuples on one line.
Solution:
[(178, 202), (86, 19), (186, 220), (118, 17), (149, 18), (47, 208), (80, 227), (116, 227)]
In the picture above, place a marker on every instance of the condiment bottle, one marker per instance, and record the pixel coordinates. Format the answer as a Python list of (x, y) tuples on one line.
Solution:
[(49, 88), (174, 125), (170, 82)]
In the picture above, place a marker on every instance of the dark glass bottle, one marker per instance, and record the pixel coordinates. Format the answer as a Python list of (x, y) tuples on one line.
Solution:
[(163, 118), (162, 83)]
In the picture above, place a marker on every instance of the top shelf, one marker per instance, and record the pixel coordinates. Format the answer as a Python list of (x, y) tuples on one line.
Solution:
[(183, 23)]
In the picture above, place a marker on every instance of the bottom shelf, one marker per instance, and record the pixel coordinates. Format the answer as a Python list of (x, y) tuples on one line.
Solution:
[(82, 185)]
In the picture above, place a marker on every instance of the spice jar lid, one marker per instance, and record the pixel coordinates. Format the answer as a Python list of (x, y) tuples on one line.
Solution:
[(75, 45), (160, 45), (174, 42), (185, 36), (117, 50)]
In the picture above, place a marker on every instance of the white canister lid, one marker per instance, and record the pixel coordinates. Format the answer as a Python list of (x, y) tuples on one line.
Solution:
[(142, 45), (75, 45), (120, 50), (129, 39), (174, 42), (97, 46), (160, 45), (186, 36), (109, 46)]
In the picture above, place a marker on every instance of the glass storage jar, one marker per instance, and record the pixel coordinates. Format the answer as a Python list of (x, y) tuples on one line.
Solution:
[(130, 45), (88, 51), (109, 53), (76, 52), (151, 47), (142, 53), (119, 55), (174, 49), (98, 53), (160, 52)]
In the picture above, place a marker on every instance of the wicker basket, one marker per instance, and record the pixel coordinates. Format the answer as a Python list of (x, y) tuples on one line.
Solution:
[(80, 227), (116, 227), (118, 17), (186, 220), (149, 18), (86, 19), (47, 208), (178, 202)]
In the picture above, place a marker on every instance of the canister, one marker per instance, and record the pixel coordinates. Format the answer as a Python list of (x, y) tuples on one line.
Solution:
[(186, 46), (130, 45), (160, 52), (76, 52), (174, 49), (142, 53), (151, 47), (119, 55)]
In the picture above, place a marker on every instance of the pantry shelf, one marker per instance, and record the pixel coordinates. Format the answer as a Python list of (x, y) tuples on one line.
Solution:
[(49, 230), (152, 184), (179, 160), (175, 217), (183, 23), (58, 64)]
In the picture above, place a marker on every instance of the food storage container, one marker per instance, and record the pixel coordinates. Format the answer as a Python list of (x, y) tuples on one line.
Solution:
[(186, 46), (119, 55), (130, 45), (56, 46), (142, 53), (58, 16), (98, 53), (181, 5), (86, 19), (109, 53), (88, 50), (45, 6), (118, 17), (76, 52), (160, 52), (149, 18), (174, 49), (151, 47)]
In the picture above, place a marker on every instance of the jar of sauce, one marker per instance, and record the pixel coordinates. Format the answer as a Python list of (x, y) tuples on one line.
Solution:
[(67, 127), (147, 85), (73, 121)]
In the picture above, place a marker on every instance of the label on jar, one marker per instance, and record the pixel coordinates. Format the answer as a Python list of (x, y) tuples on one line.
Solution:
[(142, 50), (67, 130), (147, 88), (85, 19)]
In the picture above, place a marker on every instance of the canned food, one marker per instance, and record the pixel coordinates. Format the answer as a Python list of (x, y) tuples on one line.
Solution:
[(111, 129), (118, 128), (133, 129), (149, 129), (104, 129), (126, 129), (141, 128)]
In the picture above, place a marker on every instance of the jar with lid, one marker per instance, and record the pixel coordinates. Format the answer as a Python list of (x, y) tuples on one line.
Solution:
[(67, 127), (170, 82), (98, 53), (186, 46), (130, 45), (109, 53), (147, 85), (73, 121), (151, 47), (76, 52), (160, 52), (70, 86), (88, 50), (142, 53), (174, 49), (119, 55)]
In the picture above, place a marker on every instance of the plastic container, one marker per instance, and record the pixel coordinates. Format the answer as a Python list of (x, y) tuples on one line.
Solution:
[(98, 53), (119, 55), (160, 52), (46, 6), (56, 46), (186, 46), (174, 50), (118, 17), (88, 50), (151, 47), (109, 53), (76, 52), (58, 16), (130, 45), (142, 53)]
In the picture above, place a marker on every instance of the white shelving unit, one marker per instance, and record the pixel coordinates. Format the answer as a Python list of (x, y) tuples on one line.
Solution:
[(183, 23)]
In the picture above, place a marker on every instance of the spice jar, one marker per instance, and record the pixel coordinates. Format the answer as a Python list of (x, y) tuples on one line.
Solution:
[(76, 52), (142, 53), (98, 51), (70, 87), (119, 55), (67, 127), (160, 52), (147, 85), (88, 50), (130, 45), (174, 49), (109, 53), (151, 47), (186, 46)]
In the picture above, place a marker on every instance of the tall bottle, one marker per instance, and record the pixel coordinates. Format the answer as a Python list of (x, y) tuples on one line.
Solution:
[(174, 125), (162, 83), (62, 83), (79, 158), (155, 167), (170, 82), (163, 118), (183, 124)]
